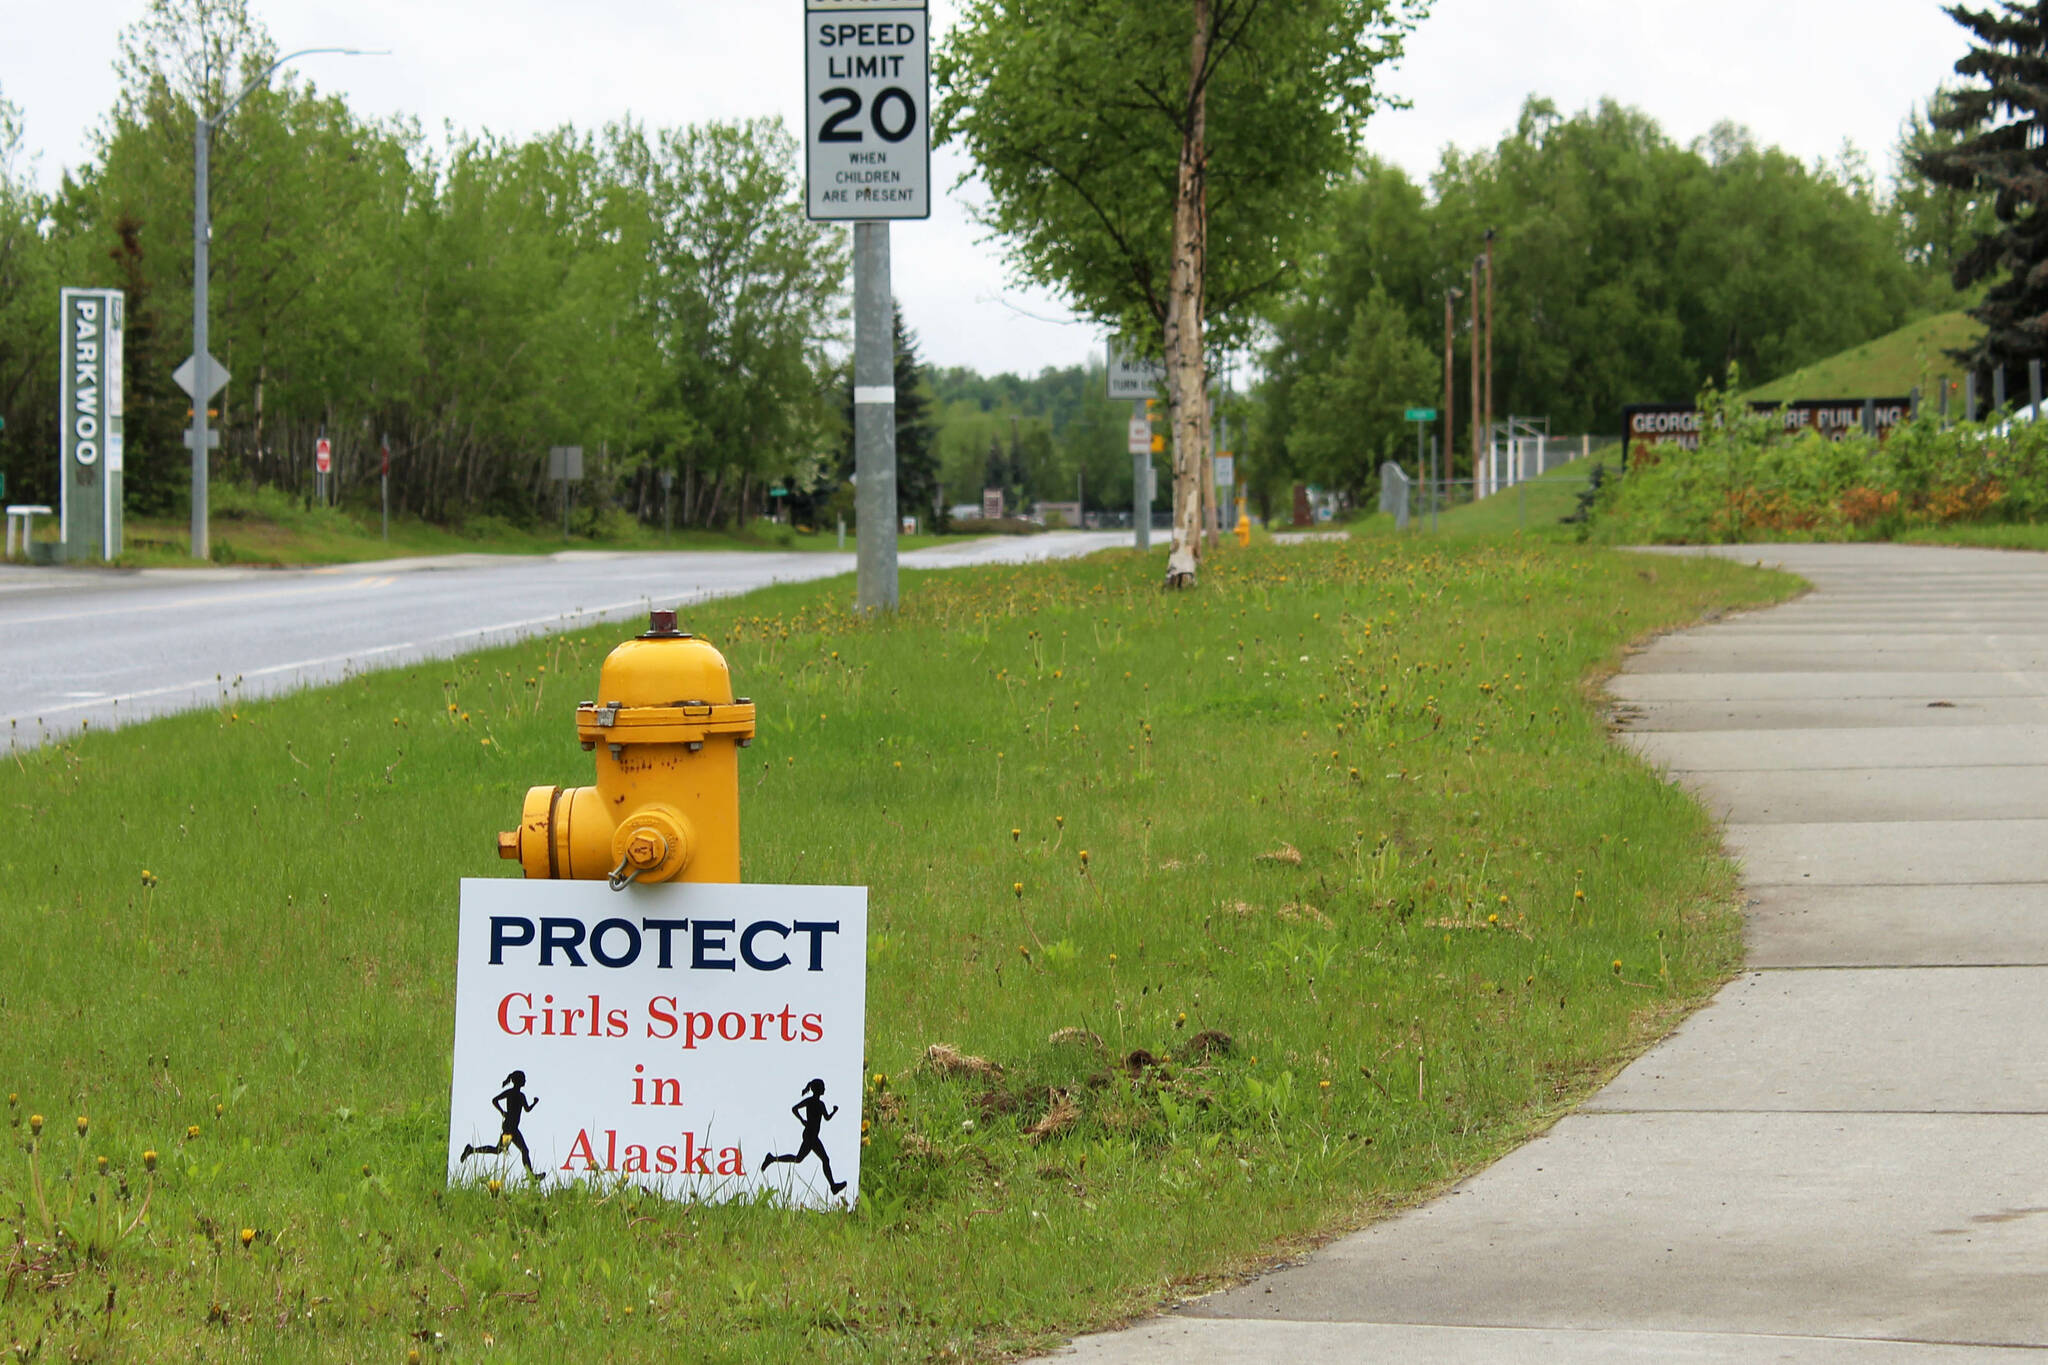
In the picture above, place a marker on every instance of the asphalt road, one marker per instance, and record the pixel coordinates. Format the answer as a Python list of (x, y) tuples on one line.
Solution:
[(109, 647)]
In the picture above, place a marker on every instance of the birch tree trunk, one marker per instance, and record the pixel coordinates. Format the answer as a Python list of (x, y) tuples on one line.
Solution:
[(1186, 371)]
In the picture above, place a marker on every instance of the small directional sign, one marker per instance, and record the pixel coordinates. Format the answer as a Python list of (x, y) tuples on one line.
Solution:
[(1420, 415), (188, 379), (1140, 436)]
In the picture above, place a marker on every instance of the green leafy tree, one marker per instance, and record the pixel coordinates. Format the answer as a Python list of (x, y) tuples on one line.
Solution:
[(1937, 224), (1997, 126), (917, 451), (1158, 161), (1349, 417)]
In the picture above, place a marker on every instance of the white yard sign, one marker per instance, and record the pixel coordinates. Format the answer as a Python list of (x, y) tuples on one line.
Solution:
[(1131, 375), (867, 110), (701, 1040)]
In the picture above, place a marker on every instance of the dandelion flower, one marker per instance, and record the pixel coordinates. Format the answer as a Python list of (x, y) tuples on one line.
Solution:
[(248, 1236), (192, 1133), (1018, 888), (83, 1124), (149, 1160), (35, 1125)]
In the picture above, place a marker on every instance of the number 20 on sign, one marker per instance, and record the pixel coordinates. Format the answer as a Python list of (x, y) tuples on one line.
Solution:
[(867, 109)]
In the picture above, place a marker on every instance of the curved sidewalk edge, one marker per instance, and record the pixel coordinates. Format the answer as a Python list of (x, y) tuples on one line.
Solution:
[(1841, 1158)]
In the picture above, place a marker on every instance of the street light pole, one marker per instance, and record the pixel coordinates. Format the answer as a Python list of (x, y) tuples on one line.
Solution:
[(202, 238)]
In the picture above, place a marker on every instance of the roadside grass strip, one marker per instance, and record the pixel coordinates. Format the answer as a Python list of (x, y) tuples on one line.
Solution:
[(1204, 926)]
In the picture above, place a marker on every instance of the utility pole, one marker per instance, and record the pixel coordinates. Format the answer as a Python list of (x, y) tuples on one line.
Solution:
[(1476, 415), (1450, 389), (874, 419), (1489, 353)]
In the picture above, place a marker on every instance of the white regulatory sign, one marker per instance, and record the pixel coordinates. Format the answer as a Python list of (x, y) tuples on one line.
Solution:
[(867, 120), (1130, 375), (1140, 432)]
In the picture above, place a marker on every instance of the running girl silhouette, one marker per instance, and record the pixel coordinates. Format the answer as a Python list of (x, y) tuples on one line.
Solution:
[(811, 1112), (511, 1103)]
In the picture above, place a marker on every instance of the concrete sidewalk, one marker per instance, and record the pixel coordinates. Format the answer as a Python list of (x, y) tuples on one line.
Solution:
[(1845, 1156)]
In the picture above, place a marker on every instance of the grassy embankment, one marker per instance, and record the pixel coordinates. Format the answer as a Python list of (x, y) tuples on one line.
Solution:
[(1914, 356), (1533, 509), (1347, 805), (264, 526)]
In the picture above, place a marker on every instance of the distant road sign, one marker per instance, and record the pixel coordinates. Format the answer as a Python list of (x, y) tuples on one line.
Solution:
[(1226, 470), (565, 463), (323, 456), (188, 378), (1420, 415), (867, 121), (1130, 375)]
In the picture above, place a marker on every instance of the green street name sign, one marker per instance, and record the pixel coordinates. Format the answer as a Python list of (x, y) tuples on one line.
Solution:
[(1420, 415)]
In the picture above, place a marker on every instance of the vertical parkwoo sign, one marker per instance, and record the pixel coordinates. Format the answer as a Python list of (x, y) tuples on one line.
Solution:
[(90, 483), (703, 1040), (867, 109)]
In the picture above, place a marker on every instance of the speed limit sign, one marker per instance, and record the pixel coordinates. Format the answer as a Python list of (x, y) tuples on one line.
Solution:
[(867, 109)]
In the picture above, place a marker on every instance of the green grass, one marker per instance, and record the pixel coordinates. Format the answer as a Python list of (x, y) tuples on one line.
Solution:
[(1894, 364), (265, 526), (1348, 805), (1994, 535)]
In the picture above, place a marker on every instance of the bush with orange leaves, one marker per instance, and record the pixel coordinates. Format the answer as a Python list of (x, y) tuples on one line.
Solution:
[(1964, 502), (1863, 506)]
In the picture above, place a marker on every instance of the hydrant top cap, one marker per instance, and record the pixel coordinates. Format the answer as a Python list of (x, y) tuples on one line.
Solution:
[(661, 625), (665, 670)]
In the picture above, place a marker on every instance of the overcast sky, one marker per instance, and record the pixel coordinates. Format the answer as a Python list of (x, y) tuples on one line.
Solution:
[(1805, 75)]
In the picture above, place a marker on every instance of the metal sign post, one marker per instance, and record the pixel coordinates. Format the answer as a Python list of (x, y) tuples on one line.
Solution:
[(1141, 475), (384, 480), (89, 480), (867, 68), (565, 466), (1422, 417)]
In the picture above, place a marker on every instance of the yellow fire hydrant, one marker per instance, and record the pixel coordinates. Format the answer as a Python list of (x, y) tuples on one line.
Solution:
[(667, 732), (1244, 527)]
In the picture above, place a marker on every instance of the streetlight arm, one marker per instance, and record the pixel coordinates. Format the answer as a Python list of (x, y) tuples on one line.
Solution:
[(271, 70)]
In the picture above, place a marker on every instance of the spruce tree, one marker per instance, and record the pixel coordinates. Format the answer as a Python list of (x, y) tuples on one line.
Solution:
[(2000, 122)]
